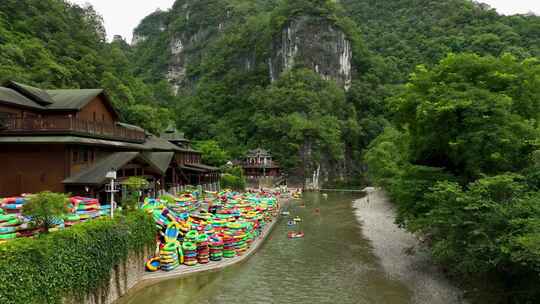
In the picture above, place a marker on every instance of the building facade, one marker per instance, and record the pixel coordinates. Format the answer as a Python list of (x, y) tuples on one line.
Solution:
[(259, 163), (67, 140)]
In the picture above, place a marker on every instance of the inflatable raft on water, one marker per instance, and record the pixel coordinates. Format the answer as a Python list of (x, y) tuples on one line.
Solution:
[(295, 235)]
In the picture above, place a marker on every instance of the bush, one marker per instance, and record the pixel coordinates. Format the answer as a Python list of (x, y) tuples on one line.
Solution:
[(45, 207), (71, 262), (229, 181), (233, 178), (134, 186)]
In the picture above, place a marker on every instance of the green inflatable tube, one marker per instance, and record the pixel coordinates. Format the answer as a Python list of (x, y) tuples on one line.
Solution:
[(169, 247), (7, 217), (11, 222), (192, 235), (73, 218), (8, 236), (202, 238), (189, 246)]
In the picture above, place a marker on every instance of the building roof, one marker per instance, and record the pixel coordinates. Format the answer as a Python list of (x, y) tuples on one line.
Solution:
[(52, 100), (188, 168), (203, 167), (95, 175), (40, 96), (172, 134), (160, 160), (78, 98), (61, 139), (129, 126), (259, 152), (159, 144), (72, 99), (11, 96)]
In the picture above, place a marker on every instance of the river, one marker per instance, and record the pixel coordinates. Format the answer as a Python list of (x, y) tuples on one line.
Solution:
[(336, 262)]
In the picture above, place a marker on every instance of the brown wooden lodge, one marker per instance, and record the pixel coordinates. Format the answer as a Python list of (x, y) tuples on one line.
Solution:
[(258, 163), (67, 141)]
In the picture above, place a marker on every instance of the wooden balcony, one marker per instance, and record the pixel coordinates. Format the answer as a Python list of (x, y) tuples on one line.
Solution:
[(69, 126)]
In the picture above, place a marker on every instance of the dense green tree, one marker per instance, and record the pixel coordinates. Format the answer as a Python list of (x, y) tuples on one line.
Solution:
[(46, 208), (308, 115), (56, 44), (472, 115), (462, 166), (212, 153)]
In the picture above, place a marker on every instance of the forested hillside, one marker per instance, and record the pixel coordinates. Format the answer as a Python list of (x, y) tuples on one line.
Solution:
[(442, 108), (54, 44), (223, 58), (411, 32), (438, 100)]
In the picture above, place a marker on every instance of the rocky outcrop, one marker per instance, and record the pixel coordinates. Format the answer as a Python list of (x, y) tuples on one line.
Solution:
[(314, 43), (191, 26), (195, 24)]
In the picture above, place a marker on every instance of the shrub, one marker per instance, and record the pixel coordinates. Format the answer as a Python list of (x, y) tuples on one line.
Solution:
[(45, 207), (72, 262), (229, 181)]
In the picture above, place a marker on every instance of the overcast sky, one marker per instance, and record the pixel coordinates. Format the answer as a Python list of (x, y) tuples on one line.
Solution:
[(122, 16)]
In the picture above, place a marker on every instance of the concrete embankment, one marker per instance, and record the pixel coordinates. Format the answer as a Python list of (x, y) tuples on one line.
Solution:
[(400, 253)]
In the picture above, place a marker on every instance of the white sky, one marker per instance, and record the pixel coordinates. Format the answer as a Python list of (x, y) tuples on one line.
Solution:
[(122, 16)]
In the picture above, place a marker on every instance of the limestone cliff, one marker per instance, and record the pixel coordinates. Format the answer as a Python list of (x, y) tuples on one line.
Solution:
[(314, 43), (191, 27)]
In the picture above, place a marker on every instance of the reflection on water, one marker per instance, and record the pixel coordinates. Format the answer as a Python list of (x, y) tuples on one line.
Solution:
[(333, 263)]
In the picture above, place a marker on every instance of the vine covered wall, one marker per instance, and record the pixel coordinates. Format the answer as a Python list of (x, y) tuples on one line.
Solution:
[(73, 263)]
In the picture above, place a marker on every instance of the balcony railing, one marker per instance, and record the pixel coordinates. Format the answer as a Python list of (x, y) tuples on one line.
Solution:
[(69, 125)]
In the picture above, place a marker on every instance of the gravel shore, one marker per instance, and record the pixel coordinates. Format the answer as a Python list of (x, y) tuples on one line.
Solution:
[(400, 252)]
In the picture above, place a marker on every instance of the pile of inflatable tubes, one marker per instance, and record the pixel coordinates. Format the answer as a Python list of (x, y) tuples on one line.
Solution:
[(13, 224), (203, 250), (8, 226), (13, 205), (184, 204), (169, 258), (86, 208), (216, 248), (105, 210), (170, 253), (228, 247), (190, 253), (225, 229)]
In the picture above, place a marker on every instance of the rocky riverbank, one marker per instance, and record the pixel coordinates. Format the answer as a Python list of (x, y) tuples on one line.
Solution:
[(400, 252)]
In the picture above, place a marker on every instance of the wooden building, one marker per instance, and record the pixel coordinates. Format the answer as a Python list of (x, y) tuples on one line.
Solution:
[(258, 163), (67, 140)]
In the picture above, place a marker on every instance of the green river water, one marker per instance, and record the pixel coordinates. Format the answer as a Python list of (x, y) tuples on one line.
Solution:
[(333, 263)]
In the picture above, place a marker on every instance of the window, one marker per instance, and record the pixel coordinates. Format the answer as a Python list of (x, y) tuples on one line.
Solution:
[(95, 116), (75, 156), (82, 155), (4, 117)]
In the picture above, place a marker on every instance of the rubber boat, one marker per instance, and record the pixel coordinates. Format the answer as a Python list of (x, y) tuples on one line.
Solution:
[(295, 235), (285, 213), (153, 264), (171, 234), (291, 223)]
